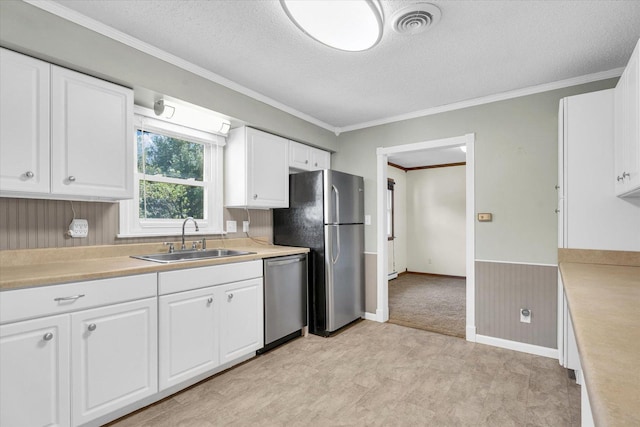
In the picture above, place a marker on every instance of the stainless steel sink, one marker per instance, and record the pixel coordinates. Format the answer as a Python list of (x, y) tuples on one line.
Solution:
[(192, 255)]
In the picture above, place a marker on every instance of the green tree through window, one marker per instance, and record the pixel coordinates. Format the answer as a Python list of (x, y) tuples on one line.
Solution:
[(173, 174)]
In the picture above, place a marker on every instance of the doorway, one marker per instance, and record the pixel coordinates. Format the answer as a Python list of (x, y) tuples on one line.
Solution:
[(427, 148)]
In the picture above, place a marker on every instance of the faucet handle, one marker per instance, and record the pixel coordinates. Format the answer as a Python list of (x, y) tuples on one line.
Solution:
[(204, 243), (194, 244), (170, 244)]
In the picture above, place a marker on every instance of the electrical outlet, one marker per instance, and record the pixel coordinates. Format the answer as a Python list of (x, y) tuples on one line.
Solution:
[(367, 220), (79, 228), (525, 315), (231, 227), (245, 226)]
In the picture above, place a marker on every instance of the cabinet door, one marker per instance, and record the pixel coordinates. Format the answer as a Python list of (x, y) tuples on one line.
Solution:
[(299, 156), (91, 137), (267, 170), (241, 319), (320, 159), (632, 123), (34, 372), (188, 335), (114, 353), (24, 123)]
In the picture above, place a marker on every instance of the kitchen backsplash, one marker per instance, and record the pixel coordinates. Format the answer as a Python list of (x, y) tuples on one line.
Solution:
[(31, 223)]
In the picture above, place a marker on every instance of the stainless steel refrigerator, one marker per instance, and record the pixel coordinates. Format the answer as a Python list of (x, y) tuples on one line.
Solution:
[(326, 214)]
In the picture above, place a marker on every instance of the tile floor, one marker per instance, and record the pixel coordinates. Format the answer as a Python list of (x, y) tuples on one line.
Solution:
[(379, 375)]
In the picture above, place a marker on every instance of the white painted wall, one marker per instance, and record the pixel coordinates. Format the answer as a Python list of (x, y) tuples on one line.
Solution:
[(398, 247), (436, 221)]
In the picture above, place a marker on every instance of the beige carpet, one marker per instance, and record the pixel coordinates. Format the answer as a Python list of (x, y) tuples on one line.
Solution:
[(429, 302)]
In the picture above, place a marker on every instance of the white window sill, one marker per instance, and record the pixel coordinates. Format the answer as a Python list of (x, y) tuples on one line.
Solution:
[(169, 234)]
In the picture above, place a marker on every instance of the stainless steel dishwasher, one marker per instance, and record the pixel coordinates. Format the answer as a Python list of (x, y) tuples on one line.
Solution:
[(285, 299)]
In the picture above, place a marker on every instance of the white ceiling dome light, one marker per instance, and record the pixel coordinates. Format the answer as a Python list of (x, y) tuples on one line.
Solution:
[(415, 18), (350, 25)]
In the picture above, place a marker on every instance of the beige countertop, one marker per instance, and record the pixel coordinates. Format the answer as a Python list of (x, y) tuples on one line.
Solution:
[(39, 267), (603, 301)]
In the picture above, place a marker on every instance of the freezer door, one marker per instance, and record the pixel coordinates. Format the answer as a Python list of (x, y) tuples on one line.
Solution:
[(344, 264), (344, 198)]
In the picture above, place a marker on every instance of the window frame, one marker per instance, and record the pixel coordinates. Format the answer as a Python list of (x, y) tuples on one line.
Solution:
[(131, 225)]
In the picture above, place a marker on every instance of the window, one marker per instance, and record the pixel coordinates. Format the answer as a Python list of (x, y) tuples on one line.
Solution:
[(178, 174), (390, 211)]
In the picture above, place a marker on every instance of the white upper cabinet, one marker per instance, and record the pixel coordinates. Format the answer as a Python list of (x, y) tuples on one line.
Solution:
[(627, 129), (256, 170), (24, 123), (63, 135), (91, 136), (306, 158)]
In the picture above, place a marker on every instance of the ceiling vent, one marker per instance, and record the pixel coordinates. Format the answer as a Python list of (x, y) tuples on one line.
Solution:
[(415, 18)]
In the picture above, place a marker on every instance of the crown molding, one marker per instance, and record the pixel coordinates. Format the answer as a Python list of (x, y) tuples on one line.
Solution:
[(93, 25), (603, 75)]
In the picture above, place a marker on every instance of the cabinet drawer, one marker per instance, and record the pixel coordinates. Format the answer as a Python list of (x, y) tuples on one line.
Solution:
[(195, 278), (43, 301)]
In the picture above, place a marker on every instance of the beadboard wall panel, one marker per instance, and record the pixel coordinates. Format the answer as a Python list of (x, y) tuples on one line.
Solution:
[(502, 289), (32, 223)]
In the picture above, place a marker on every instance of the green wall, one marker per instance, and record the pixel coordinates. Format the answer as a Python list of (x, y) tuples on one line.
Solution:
[(516, 157)]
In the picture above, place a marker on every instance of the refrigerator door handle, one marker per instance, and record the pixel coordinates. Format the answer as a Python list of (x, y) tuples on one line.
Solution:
[(335, 189), (337, 244)]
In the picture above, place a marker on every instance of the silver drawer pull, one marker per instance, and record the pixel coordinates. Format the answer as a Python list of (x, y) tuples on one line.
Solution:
[(48, 336), (92, 327), (230, 297), (72, 178), (29, 174), (71, 298), (209, 300)]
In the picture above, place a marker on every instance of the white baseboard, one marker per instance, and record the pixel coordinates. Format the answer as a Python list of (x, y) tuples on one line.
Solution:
[(551, 353), (392, 275), (370, 316)]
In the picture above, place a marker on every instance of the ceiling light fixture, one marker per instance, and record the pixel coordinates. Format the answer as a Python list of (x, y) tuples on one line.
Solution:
[(350, 25)]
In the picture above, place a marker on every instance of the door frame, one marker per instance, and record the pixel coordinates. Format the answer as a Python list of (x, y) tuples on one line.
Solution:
[(382, 284)]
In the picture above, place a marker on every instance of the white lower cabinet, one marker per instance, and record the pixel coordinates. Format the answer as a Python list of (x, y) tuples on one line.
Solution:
[(241, 319), (210, 317), (114, 354), (34, 373), (188, 335)]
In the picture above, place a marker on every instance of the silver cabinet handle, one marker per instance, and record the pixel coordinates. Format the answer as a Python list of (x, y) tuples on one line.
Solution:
[(71, 298), (92, 327), (209, 300), (72, 178), (316, 164), (229, 297), (306, 162), (29, 174), (285, 262), (619, 178), (557, 187), (48, 336), (557, 210), (255, 196), (626, 175)]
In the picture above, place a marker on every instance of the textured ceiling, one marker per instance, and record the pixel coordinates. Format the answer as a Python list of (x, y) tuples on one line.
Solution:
[(479, 48)]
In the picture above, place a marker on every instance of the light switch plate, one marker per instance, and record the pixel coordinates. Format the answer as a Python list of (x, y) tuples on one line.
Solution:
[(231, 227), (367, 220), (245, 226), (485, 217)]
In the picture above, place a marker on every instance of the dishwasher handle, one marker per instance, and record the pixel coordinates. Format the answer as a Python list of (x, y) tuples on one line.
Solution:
[(285, 262)]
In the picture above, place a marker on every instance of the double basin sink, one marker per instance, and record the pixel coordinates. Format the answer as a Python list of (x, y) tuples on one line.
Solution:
[(191, 255)]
